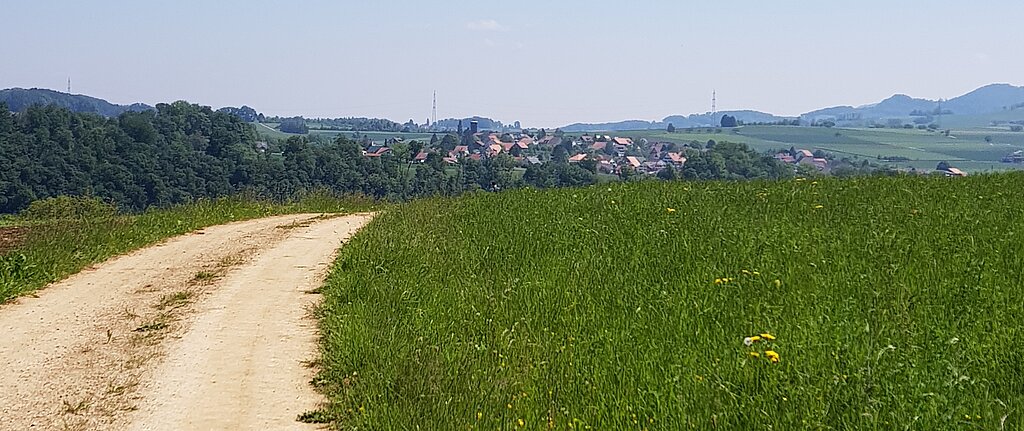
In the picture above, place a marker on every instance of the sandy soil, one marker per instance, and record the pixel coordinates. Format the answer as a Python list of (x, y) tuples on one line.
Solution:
[(205, 331)]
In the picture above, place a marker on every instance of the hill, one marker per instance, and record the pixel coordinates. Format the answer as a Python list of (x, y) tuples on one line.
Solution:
[(19, 99), (985, 100), (678, 121)]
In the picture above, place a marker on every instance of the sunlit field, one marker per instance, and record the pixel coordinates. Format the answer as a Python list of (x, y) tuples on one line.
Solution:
[(872, 303)]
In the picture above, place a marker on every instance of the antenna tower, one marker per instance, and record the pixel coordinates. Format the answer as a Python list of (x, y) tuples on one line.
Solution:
[(433, 114), (69, 85), (714, 104)]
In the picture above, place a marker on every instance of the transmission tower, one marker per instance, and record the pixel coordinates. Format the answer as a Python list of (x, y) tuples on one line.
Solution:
[(714, 105), (69, 85), (433, 114)]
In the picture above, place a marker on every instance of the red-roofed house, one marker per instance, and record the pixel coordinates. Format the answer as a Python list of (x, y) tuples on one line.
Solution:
[(675, 159), (421, 157), (577, 158), (376, 151)]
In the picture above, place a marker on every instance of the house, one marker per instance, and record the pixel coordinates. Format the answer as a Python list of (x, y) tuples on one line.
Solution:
[(954, 172), (532, 160), (494, 149), (376, 151), (819, 163), (785, 158), (577, 158), (1014, 157), (634, 162), (674, 159), (421, 157), (626, 142), (598, 146), (802, 154)]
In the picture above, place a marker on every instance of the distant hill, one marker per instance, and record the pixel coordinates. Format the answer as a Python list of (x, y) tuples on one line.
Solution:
[(745, 116), (611, 127), (19, 99), (678, 121), (985, 100)]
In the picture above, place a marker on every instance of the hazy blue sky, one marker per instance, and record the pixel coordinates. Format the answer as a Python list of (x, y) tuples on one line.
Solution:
[(545, 63)]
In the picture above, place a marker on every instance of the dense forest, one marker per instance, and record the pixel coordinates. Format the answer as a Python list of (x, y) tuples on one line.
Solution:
[(181, 152)]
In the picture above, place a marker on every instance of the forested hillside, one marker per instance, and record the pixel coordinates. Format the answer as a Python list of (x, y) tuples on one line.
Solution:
[(178, 153)]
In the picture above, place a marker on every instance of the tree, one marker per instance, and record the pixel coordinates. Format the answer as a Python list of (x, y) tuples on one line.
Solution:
[(668, 173), (295, 125), (728, 121), (671, 128), (433, 140), (449, 142)]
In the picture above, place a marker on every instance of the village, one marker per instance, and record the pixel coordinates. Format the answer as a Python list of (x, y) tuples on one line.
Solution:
[(600, 153), (608, 154)]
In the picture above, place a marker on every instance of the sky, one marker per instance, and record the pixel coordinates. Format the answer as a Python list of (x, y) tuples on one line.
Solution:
[(546, 63)]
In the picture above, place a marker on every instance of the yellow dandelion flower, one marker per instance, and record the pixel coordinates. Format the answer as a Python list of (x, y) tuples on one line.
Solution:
[(509, 405), (671, 210), (745, 272), (801, 179), (522, 423), (768, 336), (772, 356), (778, 283), (755, 354), (751, 340), (479, 415), (818, 207), (756, 274)]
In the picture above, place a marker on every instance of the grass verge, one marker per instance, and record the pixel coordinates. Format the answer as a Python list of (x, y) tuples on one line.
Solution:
[(893, 303), (50, 250)]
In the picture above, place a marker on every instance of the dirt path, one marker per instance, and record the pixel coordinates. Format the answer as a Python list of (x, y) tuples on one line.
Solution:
[(205, 331)]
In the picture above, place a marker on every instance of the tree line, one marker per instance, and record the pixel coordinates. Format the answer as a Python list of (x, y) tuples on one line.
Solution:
[(182, 152)]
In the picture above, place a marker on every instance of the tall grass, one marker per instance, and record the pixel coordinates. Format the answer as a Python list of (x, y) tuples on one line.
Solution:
[(57, 247), (895, 302)]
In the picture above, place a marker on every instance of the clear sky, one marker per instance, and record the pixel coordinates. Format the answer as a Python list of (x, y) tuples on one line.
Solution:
[(543, 62)]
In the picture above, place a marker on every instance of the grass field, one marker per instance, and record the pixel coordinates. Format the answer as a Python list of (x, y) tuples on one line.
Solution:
[(268, 130), (39, 251), (966, 148), (894, 303)]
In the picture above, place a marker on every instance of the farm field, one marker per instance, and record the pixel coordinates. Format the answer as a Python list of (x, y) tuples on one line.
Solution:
[(268, 130), (966, 148), (886, 303)]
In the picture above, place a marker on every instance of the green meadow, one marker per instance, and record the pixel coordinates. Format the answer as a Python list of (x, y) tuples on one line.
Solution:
[(973, 149), (892, 303)]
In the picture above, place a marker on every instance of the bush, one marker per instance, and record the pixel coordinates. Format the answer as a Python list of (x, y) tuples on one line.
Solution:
[(69, 208)]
